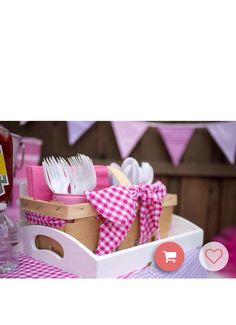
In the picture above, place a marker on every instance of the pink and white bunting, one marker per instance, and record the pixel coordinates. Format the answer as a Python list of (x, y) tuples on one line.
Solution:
[(176, 136), (128, 135), (76, 129), (224, 135), (176, 140)]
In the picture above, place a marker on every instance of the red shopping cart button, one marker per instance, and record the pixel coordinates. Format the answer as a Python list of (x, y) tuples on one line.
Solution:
[(169, 256)]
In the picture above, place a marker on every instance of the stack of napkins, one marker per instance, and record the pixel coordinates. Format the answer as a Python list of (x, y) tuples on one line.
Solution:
[(37, 187), (39, 190)]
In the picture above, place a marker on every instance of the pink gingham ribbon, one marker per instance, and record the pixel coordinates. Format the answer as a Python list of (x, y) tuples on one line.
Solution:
[(118, 205), (43, 220)]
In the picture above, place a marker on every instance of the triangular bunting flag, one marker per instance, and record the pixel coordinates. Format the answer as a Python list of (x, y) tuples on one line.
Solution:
[(224, 135), (76, 129), (176, 140), (128, 135)]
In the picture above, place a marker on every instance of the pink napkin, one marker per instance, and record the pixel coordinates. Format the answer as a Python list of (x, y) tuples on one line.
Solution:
[(102, 177), (37, 187)]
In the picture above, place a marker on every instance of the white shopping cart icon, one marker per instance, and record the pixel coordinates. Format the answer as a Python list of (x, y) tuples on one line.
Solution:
[(170, 256)]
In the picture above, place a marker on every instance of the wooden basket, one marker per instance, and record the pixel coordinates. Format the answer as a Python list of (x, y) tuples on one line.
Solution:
[(84, 224)]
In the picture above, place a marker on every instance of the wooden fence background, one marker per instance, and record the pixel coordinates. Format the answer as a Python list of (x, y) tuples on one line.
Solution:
[(204, 181)]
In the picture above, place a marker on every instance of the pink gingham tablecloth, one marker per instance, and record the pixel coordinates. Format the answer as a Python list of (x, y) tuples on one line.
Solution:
[(30, 268)]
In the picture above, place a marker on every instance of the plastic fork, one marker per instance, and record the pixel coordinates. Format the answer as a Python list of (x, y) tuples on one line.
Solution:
[(70, 173), (90, 171), (63, 178), (74, 177), (56, 178), (85, 172), (78, 176)]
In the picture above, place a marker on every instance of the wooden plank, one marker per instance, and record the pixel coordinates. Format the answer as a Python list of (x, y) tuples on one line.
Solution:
[(107, 145), (150, 147), (166, 169), (173, 186), (162, 179), (228, 203), (213, 213), (87, 144), (170, 200), (58, 210), (71, 212), (199, 148), (193, 200)]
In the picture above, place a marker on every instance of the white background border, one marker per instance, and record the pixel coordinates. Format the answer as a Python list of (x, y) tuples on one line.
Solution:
[(158, 60), (129, 60)]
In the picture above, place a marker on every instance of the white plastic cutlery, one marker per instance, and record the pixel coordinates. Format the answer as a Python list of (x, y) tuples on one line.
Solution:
[(130, 161), (147, 173), (70, 172), (56, 179), (74, 176), (85, 173), (130, 168), (78, 179), (62, 177), (132, 172), (135, 173)]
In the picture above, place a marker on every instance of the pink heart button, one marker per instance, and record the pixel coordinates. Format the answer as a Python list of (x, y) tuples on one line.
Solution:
[(214, 255)]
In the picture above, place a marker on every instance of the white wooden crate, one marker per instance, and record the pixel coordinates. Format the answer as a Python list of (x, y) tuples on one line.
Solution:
[(80, 261)]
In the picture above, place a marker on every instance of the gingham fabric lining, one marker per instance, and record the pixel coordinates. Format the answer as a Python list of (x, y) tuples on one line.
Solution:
[(43, 220), (117, 205)]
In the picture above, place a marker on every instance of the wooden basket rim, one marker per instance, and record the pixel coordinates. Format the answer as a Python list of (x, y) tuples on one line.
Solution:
[(72, 212)]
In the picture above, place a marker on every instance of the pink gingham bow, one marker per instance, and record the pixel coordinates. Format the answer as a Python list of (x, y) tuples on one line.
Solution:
[(118, 206)]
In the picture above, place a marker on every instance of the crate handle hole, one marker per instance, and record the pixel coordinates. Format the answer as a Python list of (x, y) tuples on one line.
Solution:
[(47, 243)]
